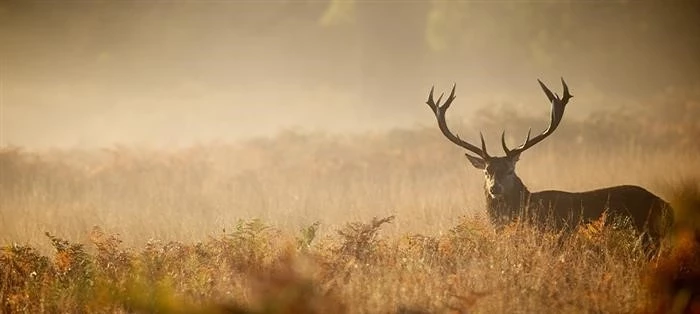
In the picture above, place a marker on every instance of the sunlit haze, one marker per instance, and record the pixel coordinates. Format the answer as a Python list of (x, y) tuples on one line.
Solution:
[(96, 73)]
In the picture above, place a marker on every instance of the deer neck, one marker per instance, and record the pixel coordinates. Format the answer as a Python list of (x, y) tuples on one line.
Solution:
[(502, 209)]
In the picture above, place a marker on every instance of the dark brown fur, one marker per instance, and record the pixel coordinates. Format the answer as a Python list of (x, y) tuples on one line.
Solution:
[(564, 210)]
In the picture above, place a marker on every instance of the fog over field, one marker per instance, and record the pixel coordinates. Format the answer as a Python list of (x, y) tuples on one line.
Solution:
[(278, 156), (163, 73)]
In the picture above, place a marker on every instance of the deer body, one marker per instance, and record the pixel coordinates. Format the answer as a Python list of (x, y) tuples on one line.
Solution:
[(508, 199), (564, 210)]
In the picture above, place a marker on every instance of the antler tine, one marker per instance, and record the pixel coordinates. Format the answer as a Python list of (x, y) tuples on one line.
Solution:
[(450, 98), (529, 131), (430, 101), (566, 95), (440, 99), (547, 91), (505, 146), (440, 111), (556, 115), (483, 146), (503, 143)]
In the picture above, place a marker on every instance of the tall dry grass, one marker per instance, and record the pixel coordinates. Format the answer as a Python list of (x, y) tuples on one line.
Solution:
[(289, 181), (216, 227)]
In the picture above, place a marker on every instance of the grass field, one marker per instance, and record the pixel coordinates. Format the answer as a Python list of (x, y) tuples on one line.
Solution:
[(308, 222)]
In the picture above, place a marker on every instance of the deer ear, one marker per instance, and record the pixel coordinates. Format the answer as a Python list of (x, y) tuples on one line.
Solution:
[(476, 162)]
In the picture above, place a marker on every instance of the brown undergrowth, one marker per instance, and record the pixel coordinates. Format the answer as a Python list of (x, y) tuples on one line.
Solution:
[(255, 268), (674, 279)]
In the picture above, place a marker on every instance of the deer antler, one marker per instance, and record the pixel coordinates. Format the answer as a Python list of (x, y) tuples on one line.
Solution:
[(557, 113), (440, 110)]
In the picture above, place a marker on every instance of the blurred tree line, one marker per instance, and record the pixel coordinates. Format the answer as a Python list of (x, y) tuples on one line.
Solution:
[(629, 39), (384, 48), (388, 52)]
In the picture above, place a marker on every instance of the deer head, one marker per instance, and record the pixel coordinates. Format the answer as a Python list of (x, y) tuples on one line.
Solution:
[(499, 172)]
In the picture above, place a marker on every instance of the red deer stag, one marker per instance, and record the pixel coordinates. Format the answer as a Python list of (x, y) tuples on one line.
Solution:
[(507, 198)]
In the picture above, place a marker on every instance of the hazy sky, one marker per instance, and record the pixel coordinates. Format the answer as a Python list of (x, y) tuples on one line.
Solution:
[(171, 72)]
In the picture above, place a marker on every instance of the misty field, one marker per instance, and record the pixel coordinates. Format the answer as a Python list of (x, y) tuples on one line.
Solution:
[(387, 222), (278, 156)]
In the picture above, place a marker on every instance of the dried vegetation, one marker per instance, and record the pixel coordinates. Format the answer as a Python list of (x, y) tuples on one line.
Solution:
[(261, 227)]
